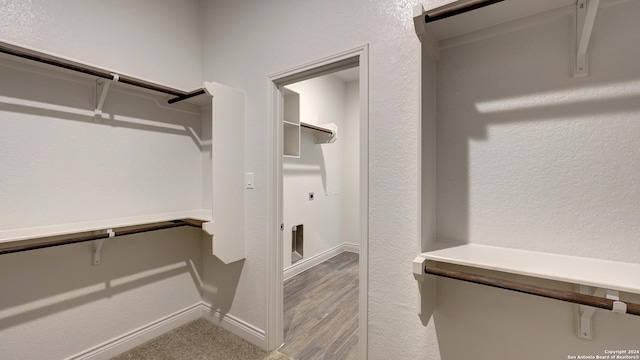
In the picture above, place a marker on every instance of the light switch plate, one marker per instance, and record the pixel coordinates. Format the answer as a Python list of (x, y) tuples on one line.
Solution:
[(249, 180)]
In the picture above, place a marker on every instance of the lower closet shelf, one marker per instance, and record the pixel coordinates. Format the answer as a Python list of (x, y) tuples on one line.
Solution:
[(47, 236), (598, 273)]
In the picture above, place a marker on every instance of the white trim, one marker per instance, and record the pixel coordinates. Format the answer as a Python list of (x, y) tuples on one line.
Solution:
[(274, 314), (353, 248), (306, 264), (122, 343), (274, 334), (363, 274), (235, 325)]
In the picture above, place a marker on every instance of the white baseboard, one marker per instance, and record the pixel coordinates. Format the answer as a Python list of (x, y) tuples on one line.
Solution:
[(350, 247), (139, 336), (254, 335), (306, 264), (120, 344), (235, 325)]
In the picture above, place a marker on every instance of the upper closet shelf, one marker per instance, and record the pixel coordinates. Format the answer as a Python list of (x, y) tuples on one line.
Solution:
[(316, 127), (22, 52), (571, 269), (466, 16), (327, 133)]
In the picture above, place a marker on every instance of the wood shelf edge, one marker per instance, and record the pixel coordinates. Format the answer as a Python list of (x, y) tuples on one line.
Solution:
[(26, 234), (594, 272), (316, 127)]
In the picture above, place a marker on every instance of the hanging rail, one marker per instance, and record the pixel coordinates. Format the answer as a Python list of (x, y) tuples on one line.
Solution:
[(97, 235), (186, 96), (40, 57), (317, 128), (568, 296), (446, 11)]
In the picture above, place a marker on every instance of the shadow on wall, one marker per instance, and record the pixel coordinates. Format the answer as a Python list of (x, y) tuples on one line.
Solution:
[(495, 88), (526, 105), (38, 284), (37, 92), (517, 94), (220, 280), (311, 160), (494, 323)]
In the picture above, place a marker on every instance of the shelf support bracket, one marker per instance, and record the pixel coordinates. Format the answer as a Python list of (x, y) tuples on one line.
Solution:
[(102, 88), (420, 274), (423, 32), (97, 255), (585, 313), (585, 16)]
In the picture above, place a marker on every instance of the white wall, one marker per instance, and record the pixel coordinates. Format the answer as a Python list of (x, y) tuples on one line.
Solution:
[(59, 166), (532, 158), (155, 40), (55, 304), (351, 170), (529, 157), (266, 37), (320, 169)]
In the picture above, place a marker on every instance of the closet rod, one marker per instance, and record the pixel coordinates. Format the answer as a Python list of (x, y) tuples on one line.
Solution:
[(73, 66), (456, 9), (568, 296), (317, 128), (189, 95), (129, 230)]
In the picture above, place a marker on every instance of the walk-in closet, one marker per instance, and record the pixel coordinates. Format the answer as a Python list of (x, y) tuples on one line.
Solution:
[(318, 179)]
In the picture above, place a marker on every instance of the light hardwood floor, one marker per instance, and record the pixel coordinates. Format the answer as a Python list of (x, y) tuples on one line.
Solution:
[(321, 311)]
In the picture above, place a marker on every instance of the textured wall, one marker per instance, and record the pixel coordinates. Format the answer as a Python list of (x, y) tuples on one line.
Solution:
[(155, 40), (55, 304), (261, 38), (529, 157), (58, 166)]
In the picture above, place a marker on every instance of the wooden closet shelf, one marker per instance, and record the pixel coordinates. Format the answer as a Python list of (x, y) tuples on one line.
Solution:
[(316, 127), (607, 274), (18, 240), (72, 65)]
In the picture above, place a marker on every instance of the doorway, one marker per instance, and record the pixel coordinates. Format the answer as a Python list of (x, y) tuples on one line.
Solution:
[(320, 178), (303, 146)]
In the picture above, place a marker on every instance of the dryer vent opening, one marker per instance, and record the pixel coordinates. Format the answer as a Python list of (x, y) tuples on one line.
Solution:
[(297, 242)]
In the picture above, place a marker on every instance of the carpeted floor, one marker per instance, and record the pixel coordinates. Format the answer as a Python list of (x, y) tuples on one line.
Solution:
[(200, 340)]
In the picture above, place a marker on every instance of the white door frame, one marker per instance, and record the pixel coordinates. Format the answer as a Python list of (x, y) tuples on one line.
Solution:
[(274, 317)]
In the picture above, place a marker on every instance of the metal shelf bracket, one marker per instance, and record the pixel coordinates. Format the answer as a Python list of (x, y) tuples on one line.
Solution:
[(102, 88), (585, 313), (585, 16), (97, 255)]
